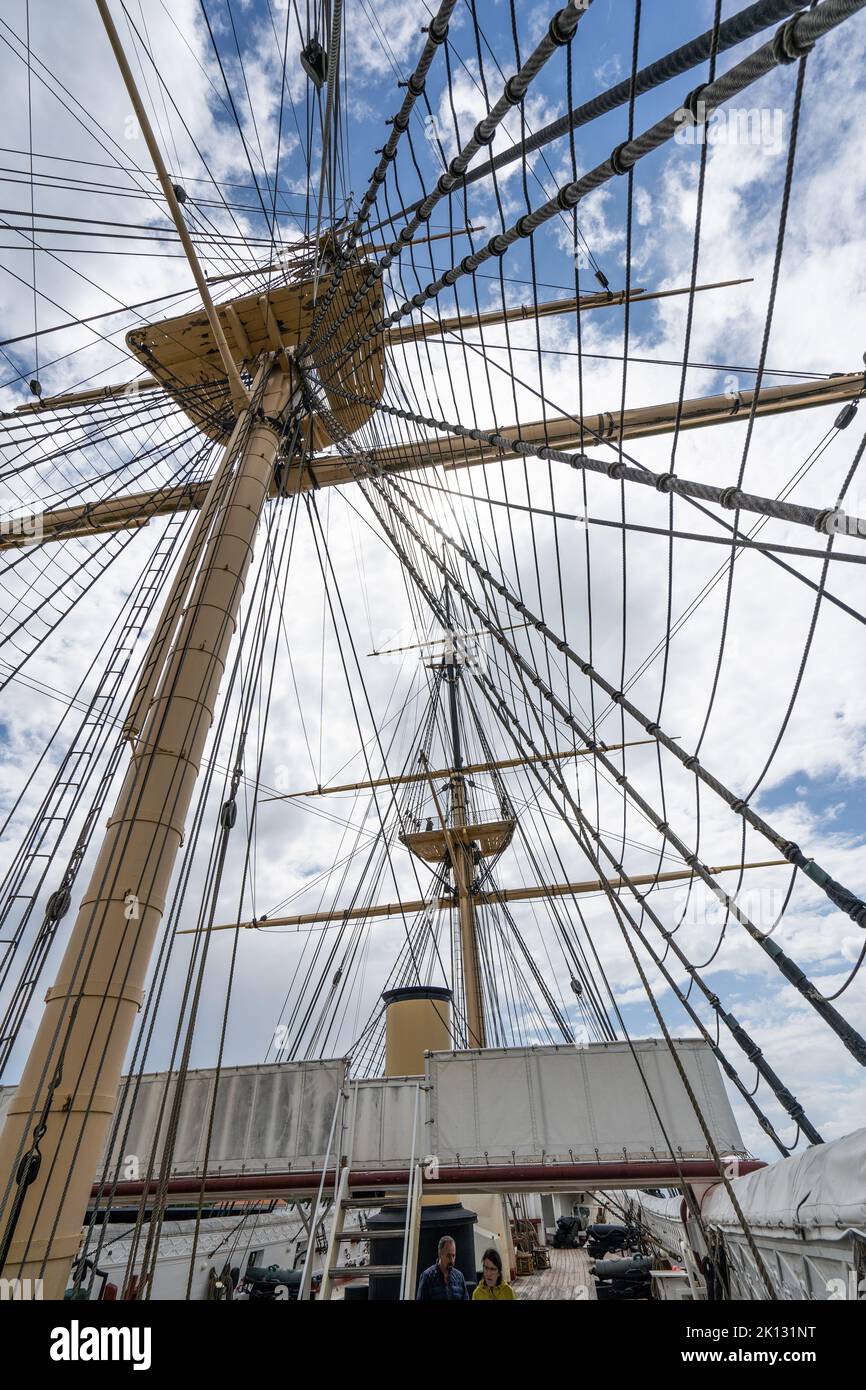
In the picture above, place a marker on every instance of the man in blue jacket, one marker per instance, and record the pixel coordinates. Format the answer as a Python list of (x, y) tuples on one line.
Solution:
[(442, 1280)]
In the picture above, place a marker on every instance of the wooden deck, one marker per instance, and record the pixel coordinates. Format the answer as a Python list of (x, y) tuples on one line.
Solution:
[(568, 1278)]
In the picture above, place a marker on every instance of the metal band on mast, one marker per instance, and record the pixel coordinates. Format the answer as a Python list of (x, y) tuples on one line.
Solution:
[(58, 1119)]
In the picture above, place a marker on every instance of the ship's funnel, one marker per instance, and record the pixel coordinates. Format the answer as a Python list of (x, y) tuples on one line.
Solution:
[(417, 1020)]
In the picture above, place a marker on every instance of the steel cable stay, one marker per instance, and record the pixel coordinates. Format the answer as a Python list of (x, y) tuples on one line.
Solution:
[(840, 896), (742, 26), (750, 423), (808, 28), (687, 338), (742, 1038), (825, 520), (93, 932), (561, 31), (831, 517), (803, 552), (436, 35)]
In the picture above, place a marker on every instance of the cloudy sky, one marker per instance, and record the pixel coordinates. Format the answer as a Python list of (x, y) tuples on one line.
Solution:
[(735, 653)]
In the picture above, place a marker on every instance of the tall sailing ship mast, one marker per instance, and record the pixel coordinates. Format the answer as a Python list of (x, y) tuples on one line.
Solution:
[(294, 387)]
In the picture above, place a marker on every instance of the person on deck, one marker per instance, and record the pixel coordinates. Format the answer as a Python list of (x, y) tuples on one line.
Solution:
[(492, 1283), (443, 1280)]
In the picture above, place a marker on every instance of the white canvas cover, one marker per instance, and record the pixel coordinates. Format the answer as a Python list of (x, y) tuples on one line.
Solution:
[(269, 1117), (820, 1194), (806, 1214), (575, 1104), (382, 1130)]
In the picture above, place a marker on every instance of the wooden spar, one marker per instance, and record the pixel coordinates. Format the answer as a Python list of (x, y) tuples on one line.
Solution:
[(609, 427), (468, 768), (131, 509), (462, 322), (330, 470), (505, 895), (68, 1089), (238, 390), (71, 399), (466, 323)]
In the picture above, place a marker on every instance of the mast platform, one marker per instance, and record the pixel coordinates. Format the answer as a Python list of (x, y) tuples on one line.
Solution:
[(490, 838), (182, 354)]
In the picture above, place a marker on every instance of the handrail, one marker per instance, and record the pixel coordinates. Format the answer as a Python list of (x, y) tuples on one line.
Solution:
[(409, 1195), (316, 1216)]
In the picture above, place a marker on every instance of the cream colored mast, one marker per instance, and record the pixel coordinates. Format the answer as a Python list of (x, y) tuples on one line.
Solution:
[(70, 1081), (463, 865), (57, 1122)]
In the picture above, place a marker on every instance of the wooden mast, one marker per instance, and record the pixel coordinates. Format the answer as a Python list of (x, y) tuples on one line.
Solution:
[(57, 1122), (70, 1080), (457, 843), (463, 866)]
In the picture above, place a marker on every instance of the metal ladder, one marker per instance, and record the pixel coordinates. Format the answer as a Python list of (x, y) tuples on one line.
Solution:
[(345, 1200)]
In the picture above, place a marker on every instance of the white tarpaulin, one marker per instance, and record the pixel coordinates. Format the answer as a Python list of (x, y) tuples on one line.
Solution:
[(574, 1104), (382, 1131), (818, 1194), (274, 1116), (807, 1216), (544, 1104)]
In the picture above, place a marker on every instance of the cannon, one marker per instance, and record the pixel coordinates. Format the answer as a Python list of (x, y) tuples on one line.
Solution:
[(272, 1283), (623, 1279), (603, 1238)]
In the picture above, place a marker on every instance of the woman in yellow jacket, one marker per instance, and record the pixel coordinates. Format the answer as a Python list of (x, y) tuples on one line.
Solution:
[(492, 1283)]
